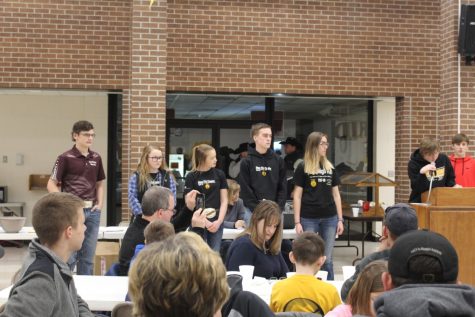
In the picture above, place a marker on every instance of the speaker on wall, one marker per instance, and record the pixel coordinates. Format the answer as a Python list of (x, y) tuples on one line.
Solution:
[(466, 43)]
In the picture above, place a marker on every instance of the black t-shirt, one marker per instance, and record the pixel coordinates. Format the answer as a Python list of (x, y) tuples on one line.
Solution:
[(209, 183), (317, 196)]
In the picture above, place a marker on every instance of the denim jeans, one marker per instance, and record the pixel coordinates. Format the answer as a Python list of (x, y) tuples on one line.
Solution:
[(214, 239), (84, 258), (326, 228)]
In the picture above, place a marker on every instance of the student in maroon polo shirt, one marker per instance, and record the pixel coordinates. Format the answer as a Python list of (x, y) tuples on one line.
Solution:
[(79, 171)]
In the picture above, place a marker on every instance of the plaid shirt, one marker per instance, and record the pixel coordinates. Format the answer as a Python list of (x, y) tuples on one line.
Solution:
[(133, 190)]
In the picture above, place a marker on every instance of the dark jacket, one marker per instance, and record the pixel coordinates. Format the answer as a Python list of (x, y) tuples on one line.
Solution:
[(443, 177), (45, 288), (427, 300), (242, 303), (262, 176)]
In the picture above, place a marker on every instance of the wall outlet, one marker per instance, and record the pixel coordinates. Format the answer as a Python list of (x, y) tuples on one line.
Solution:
[(5, 159)]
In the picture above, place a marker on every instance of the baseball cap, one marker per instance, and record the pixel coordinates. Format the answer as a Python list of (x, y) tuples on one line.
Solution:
[(400, 218), (292, 141), (421, 242), (241, 148)]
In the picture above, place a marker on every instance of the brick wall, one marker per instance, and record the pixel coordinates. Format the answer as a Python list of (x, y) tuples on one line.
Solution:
[(405, 49), (65, 44), (363, 48)]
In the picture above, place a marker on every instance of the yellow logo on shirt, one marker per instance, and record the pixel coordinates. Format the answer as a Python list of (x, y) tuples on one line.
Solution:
[(264, 173), (207, 186), (313, 183)]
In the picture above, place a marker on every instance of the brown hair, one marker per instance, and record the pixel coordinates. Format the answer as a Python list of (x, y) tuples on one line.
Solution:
[(307, 248), (429, 146), (53, 213), (233, 188), (270, 212), (368, 281), (80, 126), (199, 154), (459, 138), (142, 167), (257, 127), (157, 231), (180, 276)]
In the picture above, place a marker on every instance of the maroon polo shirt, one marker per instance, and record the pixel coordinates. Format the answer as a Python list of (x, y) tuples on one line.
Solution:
[(77, 174)]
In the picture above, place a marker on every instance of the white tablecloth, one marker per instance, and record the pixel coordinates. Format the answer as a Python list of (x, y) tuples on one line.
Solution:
[(99, 292)]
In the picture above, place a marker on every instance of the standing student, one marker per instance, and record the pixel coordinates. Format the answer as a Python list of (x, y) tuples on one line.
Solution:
[(427, 163), (262, 174), (79, 171), (317, 202), (462, 162), (210, 182), (152, 170), (46, 285)]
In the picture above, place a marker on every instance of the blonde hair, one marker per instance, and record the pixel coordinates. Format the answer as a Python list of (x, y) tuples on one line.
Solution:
[(180, 276), (233, 188), (313, 162), (368, 281), (143, 167), (199, 154), (270, 212)]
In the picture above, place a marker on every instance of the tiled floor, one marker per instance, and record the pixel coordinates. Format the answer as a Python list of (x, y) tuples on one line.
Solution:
[(13, 258)]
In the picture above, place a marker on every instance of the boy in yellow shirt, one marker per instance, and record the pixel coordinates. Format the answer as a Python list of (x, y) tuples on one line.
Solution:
[(303, 292)]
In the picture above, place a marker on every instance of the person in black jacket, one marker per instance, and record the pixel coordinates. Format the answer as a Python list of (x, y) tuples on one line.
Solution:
[(157, 204), (262, 174), (426, 162)]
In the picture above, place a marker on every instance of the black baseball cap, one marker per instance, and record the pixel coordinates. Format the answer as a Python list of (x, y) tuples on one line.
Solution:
[(291, 140), (421, 242), (400, 218), (243, 147)]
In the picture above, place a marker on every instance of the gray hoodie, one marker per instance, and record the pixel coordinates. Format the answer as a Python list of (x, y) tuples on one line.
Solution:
[(45, 288), (427, 300)]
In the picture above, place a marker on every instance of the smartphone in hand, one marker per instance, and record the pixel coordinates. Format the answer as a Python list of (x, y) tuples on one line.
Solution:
[(200, 201)]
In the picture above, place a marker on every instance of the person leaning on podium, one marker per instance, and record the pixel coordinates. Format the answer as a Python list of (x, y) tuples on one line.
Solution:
[(428, 168)]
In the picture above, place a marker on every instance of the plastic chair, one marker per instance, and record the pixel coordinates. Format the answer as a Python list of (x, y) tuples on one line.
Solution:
[(122, 310), (306, 304)]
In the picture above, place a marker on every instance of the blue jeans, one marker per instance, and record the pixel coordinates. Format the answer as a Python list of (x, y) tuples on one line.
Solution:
[(214, 239), (84, 258), (326, 228)]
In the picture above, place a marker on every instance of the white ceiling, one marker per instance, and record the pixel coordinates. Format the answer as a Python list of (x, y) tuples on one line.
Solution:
[(239, 107)]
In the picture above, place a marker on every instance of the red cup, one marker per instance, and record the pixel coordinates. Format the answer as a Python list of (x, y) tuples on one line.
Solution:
[(366, 206)]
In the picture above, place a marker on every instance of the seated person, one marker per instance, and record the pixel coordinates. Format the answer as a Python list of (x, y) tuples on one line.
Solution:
[(259, 245), (235, 214), (180, 276), (422, 279), (367, 287), (427, 163), (46, 286), (303, 289), (398, 220), (157, 204), (155, 231)]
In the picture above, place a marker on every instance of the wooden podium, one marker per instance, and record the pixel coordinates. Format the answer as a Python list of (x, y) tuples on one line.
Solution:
[(451, 212)]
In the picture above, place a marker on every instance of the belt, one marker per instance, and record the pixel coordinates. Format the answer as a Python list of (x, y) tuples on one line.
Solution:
[(88, 203)]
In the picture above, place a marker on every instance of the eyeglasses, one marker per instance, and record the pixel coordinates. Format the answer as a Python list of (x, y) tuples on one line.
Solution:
[(88, 135), (173, 211), (155, 158), (325, 144)]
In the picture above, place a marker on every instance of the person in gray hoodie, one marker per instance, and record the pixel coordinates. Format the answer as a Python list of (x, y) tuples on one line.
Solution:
[(46, 287), (422, 279)]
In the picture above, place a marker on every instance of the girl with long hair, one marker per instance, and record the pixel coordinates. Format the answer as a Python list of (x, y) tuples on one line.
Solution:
[(367, 287), (152, 170), (211, 183), (260, 244), (317, 202)]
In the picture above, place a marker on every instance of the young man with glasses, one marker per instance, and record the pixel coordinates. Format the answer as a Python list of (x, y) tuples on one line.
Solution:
[(79, 171)]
